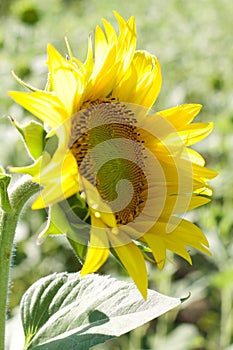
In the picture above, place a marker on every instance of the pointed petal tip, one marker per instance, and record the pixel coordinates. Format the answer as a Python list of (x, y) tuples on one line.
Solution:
[(160, 264), (117, 15), (144, 293), (12, 93), (50, 47), (211, 126), (120, 19), (195, 107), (83, 273)]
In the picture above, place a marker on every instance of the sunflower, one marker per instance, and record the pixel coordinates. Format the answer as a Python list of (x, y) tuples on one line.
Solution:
[(131, 167)]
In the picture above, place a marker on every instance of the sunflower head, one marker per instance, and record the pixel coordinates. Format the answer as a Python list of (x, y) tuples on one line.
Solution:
[(116, 175)]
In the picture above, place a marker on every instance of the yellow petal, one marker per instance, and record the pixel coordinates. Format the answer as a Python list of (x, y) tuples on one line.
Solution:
[(111, 36), (158, 247), (133, 260), (193, 156), (60, 179), (101, 46), (88, 65), (43, 105), (98, 250), (181, 115), (182, 176), (95, 258), (203, 173), (97, 206), (61, 164), (126, 44), (54, 193), (142, 81), (195, 132), (176, 235), (178, 204), (102, 80), (204, 191), (149, 78), (64, 80)]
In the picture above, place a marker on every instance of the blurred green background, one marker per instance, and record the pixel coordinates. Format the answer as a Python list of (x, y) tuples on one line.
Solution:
[(193, 41)]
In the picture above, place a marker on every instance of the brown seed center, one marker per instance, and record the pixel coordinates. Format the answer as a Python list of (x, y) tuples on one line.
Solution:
[(106, 144)]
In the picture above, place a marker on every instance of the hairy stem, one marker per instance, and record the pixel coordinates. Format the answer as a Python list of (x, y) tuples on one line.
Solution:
[(19, 195)]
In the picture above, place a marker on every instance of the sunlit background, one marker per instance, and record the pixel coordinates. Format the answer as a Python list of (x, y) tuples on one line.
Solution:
[(193, 41)]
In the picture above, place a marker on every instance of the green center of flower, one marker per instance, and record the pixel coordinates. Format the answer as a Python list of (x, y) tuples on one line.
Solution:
[(106, 144)]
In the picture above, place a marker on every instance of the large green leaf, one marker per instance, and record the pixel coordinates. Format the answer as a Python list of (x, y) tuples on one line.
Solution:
[(62, 311)]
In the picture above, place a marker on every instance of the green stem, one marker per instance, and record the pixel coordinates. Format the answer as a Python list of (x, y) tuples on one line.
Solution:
[(19, 195)]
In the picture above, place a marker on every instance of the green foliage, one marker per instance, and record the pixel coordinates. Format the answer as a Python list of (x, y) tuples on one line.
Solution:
[(62, 311)]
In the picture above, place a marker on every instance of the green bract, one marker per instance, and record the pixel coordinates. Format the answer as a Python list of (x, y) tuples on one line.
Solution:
[(4, 199), (33, 135)]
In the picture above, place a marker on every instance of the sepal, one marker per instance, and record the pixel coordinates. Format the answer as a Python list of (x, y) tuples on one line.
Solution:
[(57, 223), (79, 249), (4, 198), (33, 135), (24, 84), (69, 219), (32, 169)]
